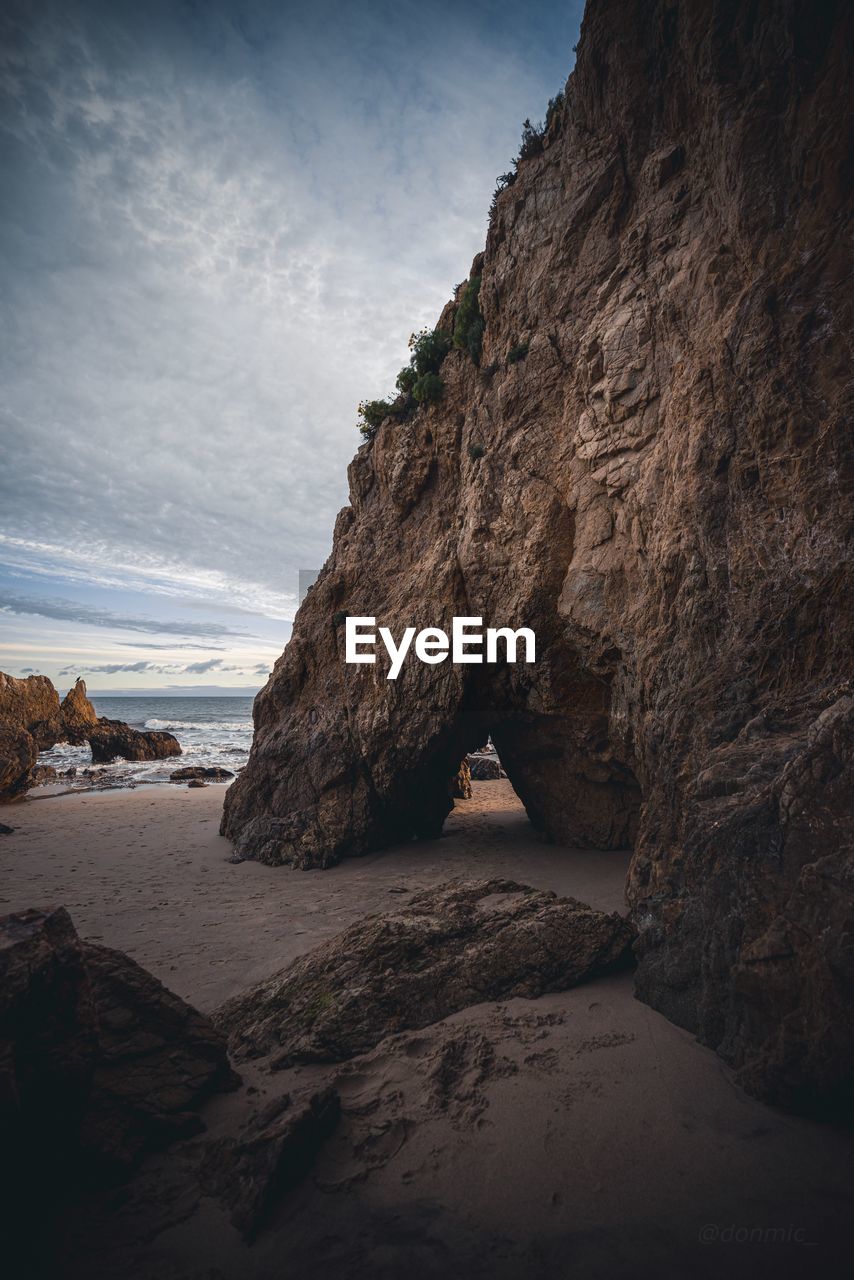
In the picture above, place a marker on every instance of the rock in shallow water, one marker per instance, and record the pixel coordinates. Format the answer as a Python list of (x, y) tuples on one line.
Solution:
[(213, 773), (114, 740), (450, 947)]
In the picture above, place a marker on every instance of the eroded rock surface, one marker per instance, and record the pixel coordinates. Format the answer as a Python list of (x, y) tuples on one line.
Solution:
[(449, 947), (99, 1063), (661, 489), (78, 714), (30, 722), (114, 740), (213, 773)]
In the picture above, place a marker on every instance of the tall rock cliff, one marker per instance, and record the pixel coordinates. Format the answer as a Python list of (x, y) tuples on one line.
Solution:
[(655, 481)]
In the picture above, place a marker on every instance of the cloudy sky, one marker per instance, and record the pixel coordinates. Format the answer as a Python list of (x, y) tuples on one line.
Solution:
[(219, 223)]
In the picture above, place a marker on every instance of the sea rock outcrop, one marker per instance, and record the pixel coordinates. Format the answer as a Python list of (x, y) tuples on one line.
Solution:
[(650, 467), (114, 740), (30, 722), (485, 768), (78, 714), (99, 1063), (448, 948), (31, 704)]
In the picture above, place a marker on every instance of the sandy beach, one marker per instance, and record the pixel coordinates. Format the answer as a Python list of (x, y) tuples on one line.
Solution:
[(578, 1134)]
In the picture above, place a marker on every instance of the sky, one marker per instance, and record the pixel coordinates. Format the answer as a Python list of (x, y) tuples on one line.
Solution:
[(219, 224)]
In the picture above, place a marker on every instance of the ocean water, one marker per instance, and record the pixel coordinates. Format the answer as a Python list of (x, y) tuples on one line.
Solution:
[(211, 731)]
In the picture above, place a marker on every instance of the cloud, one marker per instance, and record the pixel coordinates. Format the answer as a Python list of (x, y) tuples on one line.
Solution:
[(199, 668), (220, 224), (149, 644), (70, 611), (210, 211), (29, 671), (110, 668)]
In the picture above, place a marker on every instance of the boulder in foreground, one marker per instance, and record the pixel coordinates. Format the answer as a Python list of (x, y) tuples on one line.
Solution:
[(99, 1063), (450, 947), (271, 1157)]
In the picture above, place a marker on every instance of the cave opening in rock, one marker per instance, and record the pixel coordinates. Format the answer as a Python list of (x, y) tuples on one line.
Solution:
[(571, 772)]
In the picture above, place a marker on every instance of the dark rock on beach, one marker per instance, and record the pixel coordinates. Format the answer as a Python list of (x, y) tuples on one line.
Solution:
[(271, 1156), (97, 1059), (113, 740), (450, 947), (485, 768), (43, 773), (213, 773), (158, 1060)]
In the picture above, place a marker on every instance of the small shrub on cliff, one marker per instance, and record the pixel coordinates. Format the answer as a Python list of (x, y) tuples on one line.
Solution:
[(417, 383), (339, 617), (554, 109), (468, 326), (428, 389), (476, 451), (406, 379), (532, 141), (517, 353), (371, 414), (429, 348)]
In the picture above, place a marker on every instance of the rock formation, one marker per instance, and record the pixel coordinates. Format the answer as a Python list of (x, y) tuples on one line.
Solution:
[(18, 755), (78, 714), (273, 1154), (97, 1058), (33, 705), (448, 948), (485, 768), (214, 773), (30, 722), (114, 740), (460, 784), (656, 480)]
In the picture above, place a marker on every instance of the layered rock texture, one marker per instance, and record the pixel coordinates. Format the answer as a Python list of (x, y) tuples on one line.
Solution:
[(114, 740), (30, 722), (658, 482), (448, 948)]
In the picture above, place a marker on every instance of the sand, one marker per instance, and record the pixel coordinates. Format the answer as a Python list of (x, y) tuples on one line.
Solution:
[(579, 1135)]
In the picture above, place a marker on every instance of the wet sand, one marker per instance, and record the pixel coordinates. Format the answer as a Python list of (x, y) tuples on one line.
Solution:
[(578, 1135)]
